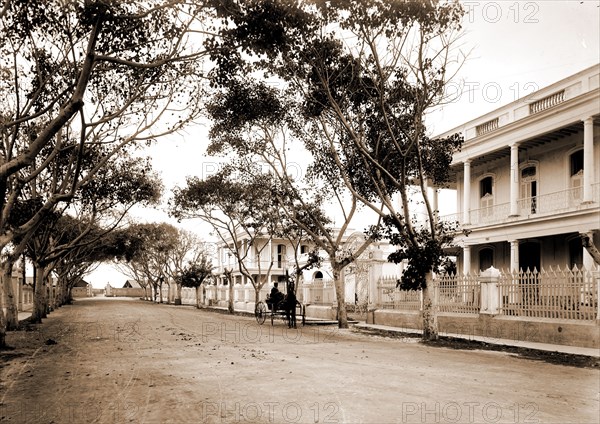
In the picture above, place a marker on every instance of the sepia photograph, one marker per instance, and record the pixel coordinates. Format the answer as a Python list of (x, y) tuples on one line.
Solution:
[(299, 211)]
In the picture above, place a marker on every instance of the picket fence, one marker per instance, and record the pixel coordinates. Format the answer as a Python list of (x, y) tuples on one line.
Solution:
[(554, 293)]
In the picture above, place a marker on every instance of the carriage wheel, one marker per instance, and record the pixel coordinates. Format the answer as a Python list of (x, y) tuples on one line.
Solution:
[(260, 312)]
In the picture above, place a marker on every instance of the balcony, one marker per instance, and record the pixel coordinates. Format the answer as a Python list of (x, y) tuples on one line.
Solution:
[(531, 207)]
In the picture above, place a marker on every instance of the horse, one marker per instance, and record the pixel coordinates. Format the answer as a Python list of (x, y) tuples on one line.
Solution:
[(289, 306)]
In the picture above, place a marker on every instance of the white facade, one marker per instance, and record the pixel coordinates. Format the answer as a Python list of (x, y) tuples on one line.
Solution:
[(267, 260), (528, 179)]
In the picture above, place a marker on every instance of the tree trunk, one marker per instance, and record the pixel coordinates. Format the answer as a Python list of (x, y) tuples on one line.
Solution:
[(2, 330), (587, 240), (256, 295), (8, 298), (198, 288), (430, 321), (177, 300), (230, 307), (39, 296), (340, 293)]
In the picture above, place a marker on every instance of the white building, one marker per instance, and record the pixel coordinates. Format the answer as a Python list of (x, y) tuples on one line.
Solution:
[(528, 179)]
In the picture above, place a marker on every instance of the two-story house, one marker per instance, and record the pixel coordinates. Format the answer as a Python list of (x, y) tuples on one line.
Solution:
[(528, 179), (265, 258)]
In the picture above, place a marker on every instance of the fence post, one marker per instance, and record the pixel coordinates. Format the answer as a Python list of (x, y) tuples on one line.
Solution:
[(490, 299)]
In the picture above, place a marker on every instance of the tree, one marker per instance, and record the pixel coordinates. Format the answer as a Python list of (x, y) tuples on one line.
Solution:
[(189, 249), (252, 123), (195, 274), (150, 258), (73, 75), (358, 78), (97, 209), (242, 215)]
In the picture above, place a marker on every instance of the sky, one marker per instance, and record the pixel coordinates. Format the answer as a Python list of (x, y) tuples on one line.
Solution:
[(514, 48)]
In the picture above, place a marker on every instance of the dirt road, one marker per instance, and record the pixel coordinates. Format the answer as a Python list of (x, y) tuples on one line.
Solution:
[(128, 361)]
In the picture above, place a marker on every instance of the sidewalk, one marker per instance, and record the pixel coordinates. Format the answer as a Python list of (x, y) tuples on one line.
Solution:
[(573, 350)]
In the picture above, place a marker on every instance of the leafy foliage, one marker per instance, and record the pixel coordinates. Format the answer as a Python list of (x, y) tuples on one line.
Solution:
[(358, 78)]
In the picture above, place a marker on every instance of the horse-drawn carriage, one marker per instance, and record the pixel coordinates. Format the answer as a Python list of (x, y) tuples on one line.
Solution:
[(283, 306)]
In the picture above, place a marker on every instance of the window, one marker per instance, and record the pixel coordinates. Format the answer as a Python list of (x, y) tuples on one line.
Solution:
[(576, 162), (486, 197), (303, 249), (529, 189), (576, 180), (280, 255), (528, 172), (485, 186)]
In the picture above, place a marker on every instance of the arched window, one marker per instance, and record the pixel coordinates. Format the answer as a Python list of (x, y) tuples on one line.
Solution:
[(318, 275)]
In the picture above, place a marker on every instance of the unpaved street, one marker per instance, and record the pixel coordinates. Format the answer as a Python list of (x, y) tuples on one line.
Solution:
[(129, 361)]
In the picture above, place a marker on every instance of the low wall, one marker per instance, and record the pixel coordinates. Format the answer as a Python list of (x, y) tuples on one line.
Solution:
[(80, 292), (540, 330), (121, 292), (321, 312)]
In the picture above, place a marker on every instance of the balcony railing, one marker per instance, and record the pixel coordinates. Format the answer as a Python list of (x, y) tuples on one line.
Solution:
[(529, 207), (547, 102), (487, 127)]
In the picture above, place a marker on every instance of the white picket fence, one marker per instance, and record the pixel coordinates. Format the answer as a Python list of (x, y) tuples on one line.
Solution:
[(554, 293)]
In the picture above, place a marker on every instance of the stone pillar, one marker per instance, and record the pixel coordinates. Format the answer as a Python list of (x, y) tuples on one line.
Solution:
[(376, 262), (466, 260), (588, 261), (467, 192), (514, 179), (588, 159), (490, 297)]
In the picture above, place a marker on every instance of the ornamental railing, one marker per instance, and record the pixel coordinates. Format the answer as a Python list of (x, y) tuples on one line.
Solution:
[(546, 204), (547, 102), (487, 127)]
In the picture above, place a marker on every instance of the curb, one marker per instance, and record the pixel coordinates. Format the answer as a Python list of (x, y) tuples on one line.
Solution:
[(413, 333)]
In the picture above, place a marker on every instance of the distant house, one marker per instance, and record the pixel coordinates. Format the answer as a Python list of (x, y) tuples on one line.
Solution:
[(131, 284), (81, 289)]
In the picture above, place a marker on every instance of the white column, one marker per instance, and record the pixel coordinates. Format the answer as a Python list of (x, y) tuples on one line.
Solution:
[(466, 260), (514, 255), (467, 192), (514, 179), (588, 159)]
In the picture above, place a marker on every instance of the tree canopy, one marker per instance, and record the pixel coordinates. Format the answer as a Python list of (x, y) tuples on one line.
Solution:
[(353, 81)]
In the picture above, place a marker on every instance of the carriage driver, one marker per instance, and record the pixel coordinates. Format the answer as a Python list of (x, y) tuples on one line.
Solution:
[(275, 296)]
